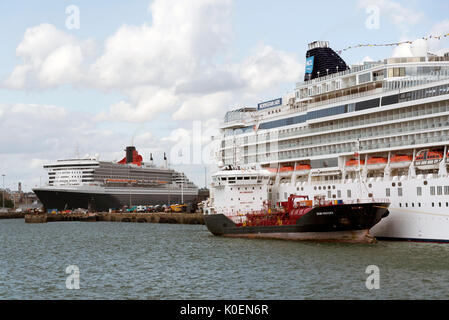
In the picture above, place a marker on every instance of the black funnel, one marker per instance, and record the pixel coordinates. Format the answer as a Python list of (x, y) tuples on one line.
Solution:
[(322, 61)]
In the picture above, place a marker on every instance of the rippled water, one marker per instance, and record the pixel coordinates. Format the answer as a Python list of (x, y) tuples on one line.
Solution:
[(163, 261)]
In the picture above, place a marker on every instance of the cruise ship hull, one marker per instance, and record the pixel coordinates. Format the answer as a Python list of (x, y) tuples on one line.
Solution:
[(341, 223), (103, 200)]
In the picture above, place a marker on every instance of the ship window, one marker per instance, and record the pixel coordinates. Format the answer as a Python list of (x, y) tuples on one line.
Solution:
[(400, 205), (413, 204), (406, 204), (387, 192), (433, 204), (439, 204), (339, 193), (419, 191), (432, 191), (393, 184), (446, 190), (348, 192), (425, 183), (439, 190), (419, 204), (239, 178), (400, 192)]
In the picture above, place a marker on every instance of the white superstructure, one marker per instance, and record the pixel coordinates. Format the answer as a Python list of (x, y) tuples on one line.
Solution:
[(378, 130)]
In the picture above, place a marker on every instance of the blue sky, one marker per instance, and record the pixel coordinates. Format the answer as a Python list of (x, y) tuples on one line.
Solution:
[(247, 51)]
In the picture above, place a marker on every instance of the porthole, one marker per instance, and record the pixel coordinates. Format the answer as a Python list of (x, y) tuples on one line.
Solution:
[(393, 184), (425, 183)]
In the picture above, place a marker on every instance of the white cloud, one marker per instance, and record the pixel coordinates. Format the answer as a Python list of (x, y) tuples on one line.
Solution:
[(50, 57), (175, 65), (268, 67), (203, 106)]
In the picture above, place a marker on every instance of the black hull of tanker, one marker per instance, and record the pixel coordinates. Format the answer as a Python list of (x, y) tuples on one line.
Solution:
[(342, 223), (69, 200)]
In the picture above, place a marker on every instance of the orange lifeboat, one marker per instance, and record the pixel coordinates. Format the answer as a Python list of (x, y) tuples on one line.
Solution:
[(286, 169), (353, 164), (428, 159), (302, 169), (400, 161), (377, 163)]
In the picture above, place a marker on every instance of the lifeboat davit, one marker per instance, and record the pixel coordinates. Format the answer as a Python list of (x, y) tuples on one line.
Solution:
[(428, 159), (376, 163), (354, 164), (302, 169), (400, 161)]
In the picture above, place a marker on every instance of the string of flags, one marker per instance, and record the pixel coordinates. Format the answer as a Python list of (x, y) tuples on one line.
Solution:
[(391, 44)]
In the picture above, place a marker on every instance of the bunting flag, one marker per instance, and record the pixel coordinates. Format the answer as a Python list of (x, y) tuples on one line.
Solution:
[(391, 44)]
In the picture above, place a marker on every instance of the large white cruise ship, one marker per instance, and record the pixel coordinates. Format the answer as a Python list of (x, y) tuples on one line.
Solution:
[(378, 130)]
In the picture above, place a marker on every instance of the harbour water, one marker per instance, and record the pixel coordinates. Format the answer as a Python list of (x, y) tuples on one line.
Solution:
[(165, 261)]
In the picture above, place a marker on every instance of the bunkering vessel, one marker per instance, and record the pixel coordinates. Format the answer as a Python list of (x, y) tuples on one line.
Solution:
[(317, 220), (101, 185), (376, 130)]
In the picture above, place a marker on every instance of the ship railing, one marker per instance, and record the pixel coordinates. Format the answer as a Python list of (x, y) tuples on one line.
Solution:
[(366, 200), (403, 83)]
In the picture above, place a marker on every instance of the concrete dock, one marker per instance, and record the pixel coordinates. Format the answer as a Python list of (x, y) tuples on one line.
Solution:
[(175, 218), (12, 215)]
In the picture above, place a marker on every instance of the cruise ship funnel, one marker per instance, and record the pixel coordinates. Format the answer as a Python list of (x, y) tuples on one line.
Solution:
[(321, 60)]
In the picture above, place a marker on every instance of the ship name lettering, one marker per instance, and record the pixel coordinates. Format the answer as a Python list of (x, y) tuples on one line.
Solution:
[(324, 213)]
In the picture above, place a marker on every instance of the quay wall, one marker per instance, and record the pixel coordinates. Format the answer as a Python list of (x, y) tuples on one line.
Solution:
[(176, 218)]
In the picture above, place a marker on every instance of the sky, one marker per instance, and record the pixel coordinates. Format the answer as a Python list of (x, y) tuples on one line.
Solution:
[(91, 77)]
